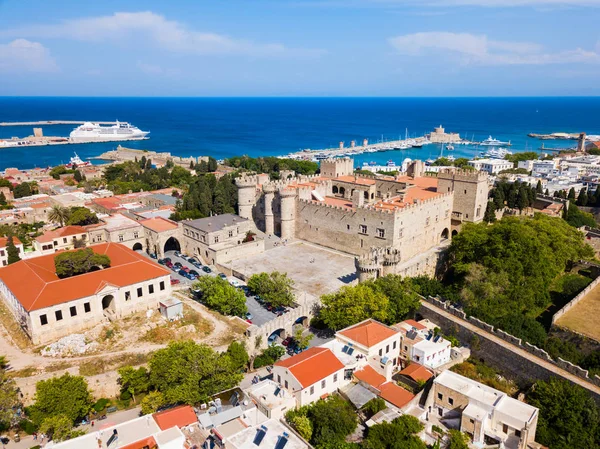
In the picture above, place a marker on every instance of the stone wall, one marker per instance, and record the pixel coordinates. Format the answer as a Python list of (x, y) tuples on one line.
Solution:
[(504, 355), (568, 306)]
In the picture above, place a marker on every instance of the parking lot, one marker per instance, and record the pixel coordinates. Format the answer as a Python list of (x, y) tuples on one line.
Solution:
[(260, 315), (175, 274)]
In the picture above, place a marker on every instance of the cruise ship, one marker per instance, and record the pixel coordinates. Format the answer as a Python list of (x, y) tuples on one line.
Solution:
[(491, 142), (494, 153), (91, 132)]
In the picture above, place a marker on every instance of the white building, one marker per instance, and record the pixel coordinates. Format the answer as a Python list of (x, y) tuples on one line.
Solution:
[(544, 168), (60, 239), (491, 166), (271, 399), (489, 416), (310, 375), (526, 165), (48, 307), (4, 251), (420, 344)]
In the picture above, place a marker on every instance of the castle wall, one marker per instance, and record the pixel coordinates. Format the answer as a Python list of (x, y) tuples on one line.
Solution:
[(470, 193), (340, 228)]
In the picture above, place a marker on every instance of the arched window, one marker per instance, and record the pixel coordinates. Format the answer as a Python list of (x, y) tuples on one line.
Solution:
[(335, 190)]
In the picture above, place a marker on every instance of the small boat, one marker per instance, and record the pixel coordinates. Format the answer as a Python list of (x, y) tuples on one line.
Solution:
[(77, 162), (491, 142), (450, 147), (390, 163)]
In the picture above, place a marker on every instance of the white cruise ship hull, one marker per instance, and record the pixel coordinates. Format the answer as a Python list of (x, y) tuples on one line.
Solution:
[(93, 132), (92, 137)]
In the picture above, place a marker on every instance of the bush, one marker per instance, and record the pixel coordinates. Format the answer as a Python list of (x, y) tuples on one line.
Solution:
[(27, 426), (374, 406), (100, 404)]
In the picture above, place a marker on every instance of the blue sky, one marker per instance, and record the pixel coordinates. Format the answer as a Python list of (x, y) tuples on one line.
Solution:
[(300, 48)]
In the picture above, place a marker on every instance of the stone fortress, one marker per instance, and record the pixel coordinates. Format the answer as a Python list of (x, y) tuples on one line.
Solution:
[(390, 224)]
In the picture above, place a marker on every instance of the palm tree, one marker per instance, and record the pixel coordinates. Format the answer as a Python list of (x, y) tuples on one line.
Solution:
[(58, 214)]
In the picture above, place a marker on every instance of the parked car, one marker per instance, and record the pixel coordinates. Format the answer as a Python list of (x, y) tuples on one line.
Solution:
[(234, 282), (222, 275), (174, 268), (191, 259), (186, 269), (169, 264), (174, 281), (161, 261), (177, 254), (196, 264), (249, 321), (191, 277), (153, 255), (249, 316), (177, 264), (206, 269), (287, 341), (182, 273), (167, 259)]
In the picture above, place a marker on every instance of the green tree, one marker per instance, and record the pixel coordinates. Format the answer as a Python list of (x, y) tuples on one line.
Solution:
[(490, 213), (403, 302), (187, 372), (3, 201), (572, 194), (152, 402), (275, 288), (302, 338), (134, 381), (219, 295), (65, 395), (352, 304), (238, 355), (577, 218), (77, 262), (57, 427), (538, 187), (333, 419), (11, 250), (59, 214), (82, 216), (78, 176), (302, 425), (9, 399), (22, 190), (458, 440), (569, 417), (374, 406), (582, 199), (400, 433)]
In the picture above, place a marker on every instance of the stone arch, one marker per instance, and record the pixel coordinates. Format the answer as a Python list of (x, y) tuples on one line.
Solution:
[(335, 190), (445, 234), (454, 233), (172, 244), (277, 333), (108, 303), (137, 247), (342, 191), (303, 320), (372, 195), (366, 194)]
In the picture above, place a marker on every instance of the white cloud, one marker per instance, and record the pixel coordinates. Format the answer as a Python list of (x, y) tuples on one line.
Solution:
[(478, 49), (156, 29), (153, 69), (22, 55)]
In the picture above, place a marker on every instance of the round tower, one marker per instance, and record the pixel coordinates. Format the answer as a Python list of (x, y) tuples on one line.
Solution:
[(246, 196), (288, 213), (269, 196)]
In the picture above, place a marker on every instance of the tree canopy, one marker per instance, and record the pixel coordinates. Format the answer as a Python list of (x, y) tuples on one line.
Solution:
[(77, 262), (569, 417), (81, 216), (276, 288), (187, 372), (509, 266), (11, 250), (9, 398), (66, 395), (272, 165), (400, 433), (219, 295), (207, 195), (352, 304)]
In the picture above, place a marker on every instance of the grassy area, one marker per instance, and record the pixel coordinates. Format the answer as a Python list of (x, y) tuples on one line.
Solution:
[(25, 372), (563, 289), (13, 328), (58, 366), (476, 370), (582, 318), (171, 331), (99, 365)]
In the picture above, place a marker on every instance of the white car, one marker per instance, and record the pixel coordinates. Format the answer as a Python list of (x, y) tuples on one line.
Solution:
[(234, 282)]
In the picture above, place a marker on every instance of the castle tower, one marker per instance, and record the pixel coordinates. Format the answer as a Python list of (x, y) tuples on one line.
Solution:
[(415, 169), (269, 197), (288, 213), (334, 167), (246, 196), (471, 191), (378, 261)]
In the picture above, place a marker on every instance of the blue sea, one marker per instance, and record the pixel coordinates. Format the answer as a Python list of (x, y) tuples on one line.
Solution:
[(224, 127)]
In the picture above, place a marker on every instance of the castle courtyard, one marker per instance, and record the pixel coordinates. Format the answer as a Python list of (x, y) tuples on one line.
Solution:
[(315, 270)]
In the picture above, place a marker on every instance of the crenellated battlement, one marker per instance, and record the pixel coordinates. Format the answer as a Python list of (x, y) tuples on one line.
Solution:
[(246, 181), (457, 174)]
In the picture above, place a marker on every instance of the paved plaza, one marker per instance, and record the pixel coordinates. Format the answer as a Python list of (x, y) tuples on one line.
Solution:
[(314, 270)]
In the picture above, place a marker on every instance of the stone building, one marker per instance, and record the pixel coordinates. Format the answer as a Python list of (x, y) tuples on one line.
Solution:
[(48, 307), (221, 238), (385, 221), (439, 135), (60, 239)]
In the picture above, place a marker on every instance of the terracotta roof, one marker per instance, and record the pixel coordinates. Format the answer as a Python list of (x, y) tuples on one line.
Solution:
[(36, 286), (395, 395), (424, 182), (4, 240), (312, 365), (66, 231), (415, 324), (356, 180), (368, 333), (159, 224), (141, 444), (369, 376), (178, 416), (417, 372)]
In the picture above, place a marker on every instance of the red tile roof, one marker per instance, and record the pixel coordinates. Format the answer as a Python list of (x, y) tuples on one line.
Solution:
[(368, 333), (4, 240), (66, 231), (141, 444), (414, 324), (395, 395), (312, 365), (181, 416), (369, 376), (36, 285), (417, 372), (159, 224), (356, 180)]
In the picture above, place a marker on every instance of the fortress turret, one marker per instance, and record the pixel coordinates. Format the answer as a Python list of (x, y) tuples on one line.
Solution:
[(334, 167), (288, 213), (379, 261), (269, 197), (246, 196)]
